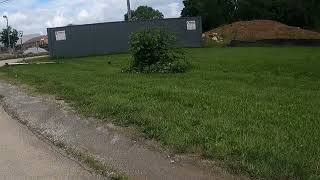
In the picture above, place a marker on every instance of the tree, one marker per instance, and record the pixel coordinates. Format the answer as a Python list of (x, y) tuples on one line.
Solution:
[(302, 13), (144, 13), (13, 37), (214, 13)]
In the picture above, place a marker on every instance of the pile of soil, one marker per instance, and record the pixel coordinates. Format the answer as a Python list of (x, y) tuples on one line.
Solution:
[(258, 30)]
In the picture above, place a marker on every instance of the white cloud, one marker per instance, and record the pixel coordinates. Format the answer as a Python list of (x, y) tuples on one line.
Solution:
[(83, 15), (58, 20), (34, 16), (175, 9)]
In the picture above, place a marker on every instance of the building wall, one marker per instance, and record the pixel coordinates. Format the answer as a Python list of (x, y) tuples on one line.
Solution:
[(103, 38), (36, 42)]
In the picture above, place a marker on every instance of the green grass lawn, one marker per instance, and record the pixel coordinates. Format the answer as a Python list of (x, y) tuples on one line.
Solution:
[(254, 110)]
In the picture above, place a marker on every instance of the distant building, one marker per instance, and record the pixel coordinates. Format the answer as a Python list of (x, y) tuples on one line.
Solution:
[(40, 41), (26, 38), (29, 41)]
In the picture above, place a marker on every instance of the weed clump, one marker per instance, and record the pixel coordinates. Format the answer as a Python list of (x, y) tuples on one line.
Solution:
[(155, 51)]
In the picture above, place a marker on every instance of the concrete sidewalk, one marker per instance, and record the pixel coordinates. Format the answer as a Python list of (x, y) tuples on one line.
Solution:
[(24, 156), (56, 121), (3, 62)]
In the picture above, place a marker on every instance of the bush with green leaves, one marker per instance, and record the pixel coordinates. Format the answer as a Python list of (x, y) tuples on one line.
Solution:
[(154, 50)]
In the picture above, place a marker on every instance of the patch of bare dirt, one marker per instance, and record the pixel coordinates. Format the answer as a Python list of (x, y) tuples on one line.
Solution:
[(258, 30)]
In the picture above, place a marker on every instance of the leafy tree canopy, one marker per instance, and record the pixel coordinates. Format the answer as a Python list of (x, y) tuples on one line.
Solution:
[(214, 13), (144, 13), (13, 37)]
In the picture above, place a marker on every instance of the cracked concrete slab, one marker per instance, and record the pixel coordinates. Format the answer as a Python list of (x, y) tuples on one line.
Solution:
[(58, 123)]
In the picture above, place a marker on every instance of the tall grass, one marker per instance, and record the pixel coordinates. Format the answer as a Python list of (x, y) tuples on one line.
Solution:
[(254, 110)]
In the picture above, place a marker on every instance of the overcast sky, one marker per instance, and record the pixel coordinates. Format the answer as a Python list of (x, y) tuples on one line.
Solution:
[(34, 16)]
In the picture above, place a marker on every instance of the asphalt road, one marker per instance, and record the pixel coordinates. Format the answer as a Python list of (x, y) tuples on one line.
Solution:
[(24, 156)]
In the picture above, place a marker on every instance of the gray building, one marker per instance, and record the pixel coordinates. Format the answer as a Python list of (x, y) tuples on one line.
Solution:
[(113, 37)]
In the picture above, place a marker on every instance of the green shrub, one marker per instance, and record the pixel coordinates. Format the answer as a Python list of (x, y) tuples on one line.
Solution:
[(154, 50)]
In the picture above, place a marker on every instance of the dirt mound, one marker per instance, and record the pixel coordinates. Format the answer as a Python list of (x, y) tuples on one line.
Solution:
[(258, 30)]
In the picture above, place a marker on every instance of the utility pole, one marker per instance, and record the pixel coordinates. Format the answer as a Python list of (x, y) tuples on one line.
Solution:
[(129, 10), (6, 17)]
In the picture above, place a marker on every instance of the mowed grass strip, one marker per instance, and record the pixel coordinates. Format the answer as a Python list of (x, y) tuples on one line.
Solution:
[(255, 110)]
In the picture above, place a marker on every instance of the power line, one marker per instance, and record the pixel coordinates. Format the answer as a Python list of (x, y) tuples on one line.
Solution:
[(4, 1)]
